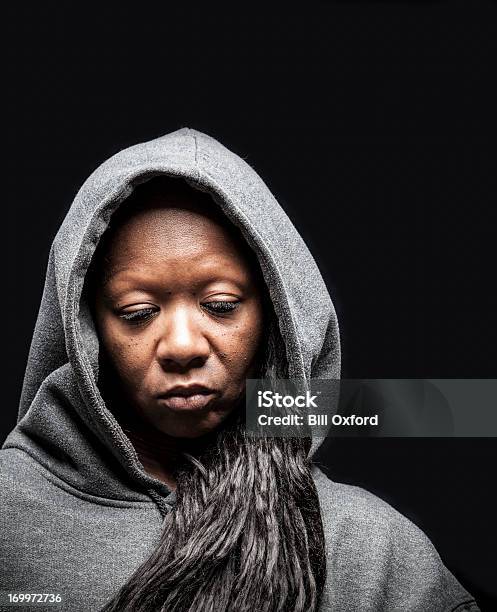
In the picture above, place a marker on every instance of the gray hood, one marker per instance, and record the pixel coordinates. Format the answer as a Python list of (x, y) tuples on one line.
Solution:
[(63, 422)]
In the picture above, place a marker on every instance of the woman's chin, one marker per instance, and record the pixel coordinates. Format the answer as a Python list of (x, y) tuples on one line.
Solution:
[(190, 425)]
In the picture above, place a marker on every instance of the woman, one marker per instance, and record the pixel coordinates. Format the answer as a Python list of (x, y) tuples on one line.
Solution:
[(130, 482)]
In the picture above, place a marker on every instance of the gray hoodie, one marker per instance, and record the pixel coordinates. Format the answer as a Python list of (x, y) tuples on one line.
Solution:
[(78, 512)]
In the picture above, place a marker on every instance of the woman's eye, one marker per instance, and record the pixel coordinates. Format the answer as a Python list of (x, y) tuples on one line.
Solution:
[(138, 316), (221, 307)]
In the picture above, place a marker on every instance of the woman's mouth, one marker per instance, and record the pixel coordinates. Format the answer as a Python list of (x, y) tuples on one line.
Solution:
[(189, 402), (191, 397)]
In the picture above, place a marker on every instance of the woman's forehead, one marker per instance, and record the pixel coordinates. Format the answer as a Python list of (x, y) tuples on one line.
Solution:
[(173, 230), (159, 225)]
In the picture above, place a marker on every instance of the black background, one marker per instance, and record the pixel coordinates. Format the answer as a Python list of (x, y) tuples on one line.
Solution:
[(372, 123)]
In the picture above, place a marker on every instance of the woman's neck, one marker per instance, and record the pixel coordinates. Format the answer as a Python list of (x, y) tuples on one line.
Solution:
[(158, 453)]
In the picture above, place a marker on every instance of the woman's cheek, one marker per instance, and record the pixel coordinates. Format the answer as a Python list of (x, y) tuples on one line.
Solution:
[(129, 355), (246, 342)]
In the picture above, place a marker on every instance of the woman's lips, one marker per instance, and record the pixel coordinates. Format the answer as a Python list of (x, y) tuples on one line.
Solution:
[(195, 401)]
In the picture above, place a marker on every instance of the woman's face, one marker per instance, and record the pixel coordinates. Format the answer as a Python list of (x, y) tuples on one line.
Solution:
[(180, 306)]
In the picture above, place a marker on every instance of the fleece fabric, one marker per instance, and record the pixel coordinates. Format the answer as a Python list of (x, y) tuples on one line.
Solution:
[(78, 512)]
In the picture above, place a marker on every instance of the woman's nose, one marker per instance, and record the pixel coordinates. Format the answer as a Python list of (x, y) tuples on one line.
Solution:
[(182, 341)]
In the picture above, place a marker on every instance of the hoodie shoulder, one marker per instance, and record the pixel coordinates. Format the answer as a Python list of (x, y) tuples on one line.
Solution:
[(378, 559)]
